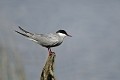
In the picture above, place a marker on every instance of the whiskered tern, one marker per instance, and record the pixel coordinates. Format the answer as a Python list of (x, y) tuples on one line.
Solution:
[(45, 40)]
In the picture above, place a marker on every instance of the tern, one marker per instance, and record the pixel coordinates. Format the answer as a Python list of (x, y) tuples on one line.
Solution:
[(46, 40)]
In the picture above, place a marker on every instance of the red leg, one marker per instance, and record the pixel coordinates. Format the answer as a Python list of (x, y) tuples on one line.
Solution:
[(50, 52)]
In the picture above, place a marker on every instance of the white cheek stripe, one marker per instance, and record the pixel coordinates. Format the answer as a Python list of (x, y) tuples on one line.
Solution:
[(61, 34)]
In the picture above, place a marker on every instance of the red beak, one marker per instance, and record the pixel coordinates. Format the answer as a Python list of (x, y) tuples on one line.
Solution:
[(69, 35)]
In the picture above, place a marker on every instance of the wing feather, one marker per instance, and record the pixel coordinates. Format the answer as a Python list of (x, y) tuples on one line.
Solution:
[(47, 39)]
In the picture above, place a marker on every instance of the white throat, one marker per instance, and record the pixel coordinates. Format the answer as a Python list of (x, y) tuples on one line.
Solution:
[(62, 35)]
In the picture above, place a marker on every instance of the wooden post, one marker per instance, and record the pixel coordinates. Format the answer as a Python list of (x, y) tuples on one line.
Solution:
[(48, 70)]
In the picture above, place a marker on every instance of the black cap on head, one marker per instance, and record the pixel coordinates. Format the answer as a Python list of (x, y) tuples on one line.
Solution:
[(63, 32)]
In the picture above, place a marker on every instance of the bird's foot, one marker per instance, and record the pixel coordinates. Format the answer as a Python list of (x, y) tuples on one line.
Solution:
[(50, 53)]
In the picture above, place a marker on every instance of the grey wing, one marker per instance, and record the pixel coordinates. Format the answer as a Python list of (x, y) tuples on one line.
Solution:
[(42, 39), (46, 40)]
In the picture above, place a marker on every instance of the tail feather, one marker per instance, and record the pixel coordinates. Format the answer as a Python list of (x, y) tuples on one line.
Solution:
[(27, 34), (24, 30), (22, 34)]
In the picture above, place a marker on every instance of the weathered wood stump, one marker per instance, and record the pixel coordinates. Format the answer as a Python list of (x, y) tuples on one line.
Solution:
[(48, 70)]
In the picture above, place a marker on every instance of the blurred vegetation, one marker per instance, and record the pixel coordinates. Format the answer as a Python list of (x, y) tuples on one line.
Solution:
[(11, 67)]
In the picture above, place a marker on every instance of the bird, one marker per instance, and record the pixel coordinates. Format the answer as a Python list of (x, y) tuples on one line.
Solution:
[(46, 40)]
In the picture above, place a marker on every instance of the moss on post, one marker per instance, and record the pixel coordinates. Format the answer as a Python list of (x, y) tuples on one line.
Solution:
[(48, 70)]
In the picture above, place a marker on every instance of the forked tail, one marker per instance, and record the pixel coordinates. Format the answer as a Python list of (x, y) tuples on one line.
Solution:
[(26, 33)]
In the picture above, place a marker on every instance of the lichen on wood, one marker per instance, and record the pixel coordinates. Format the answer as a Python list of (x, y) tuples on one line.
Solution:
[(48, 70)]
